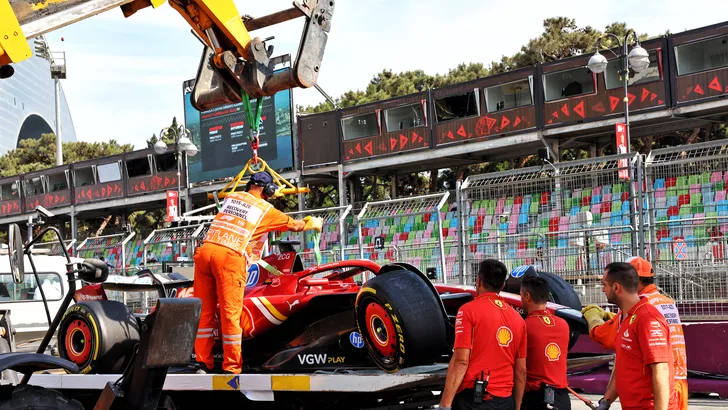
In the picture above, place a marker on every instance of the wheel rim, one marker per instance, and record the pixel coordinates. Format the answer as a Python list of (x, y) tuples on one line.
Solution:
[(78, 342), (381, 330)]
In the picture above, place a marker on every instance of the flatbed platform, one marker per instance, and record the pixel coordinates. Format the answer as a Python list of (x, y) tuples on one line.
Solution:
[(263, 387)]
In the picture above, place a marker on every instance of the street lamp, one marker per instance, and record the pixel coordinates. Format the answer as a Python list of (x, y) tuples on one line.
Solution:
[(183, 145), (638, 60)]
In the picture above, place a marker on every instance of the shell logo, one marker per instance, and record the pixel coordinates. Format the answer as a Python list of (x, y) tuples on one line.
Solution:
[(553, 352), (504, 336)]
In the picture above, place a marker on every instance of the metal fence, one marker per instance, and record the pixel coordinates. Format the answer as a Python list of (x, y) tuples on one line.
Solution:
[(413, 223), (334, 233), (54, 249), (182, 240), (571, 219), (688, 220), (111, 247)]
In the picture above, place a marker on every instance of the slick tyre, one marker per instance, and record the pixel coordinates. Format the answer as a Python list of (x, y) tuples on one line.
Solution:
[(28, 397), (99, 336), (400, 320)]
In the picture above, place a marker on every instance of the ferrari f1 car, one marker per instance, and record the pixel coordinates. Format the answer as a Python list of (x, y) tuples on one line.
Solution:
[(348, 315)]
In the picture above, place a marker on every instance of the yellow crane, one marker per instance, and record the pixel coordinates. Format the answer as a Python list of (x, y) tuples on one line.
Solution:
[(235, 66)]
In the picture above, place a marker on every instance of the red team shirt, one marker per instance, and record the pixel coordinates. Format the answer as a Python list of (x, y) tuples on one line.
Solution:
[(548, 346), (642, 339), (501, 338)]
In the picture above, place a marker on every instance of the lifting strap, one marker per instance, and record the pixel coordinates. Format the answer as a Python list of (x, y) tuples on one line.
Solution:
[(254, 122)]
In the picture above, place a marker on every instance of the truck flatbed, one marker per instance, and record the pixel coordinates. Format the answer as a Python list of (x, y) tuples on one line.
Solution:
[(267, 387)]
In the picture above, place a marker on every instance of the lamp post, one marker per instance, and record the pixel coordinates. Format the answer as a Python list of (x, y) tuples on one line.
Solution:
[(183, 145), (638, 60)]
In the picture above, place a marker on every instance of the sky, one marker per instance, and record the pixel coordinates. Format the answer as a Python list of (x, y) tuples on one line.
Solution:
[(125, 75)]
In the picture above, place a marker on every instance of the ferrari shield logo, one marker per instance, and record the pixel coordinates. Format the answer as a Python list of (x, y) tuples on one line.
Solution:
[(632, 319), (498, 303), (547, 321)]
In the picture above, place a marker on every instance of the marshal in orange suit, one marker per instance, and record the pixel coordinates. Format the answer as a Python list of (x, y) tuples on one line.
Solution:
[(221, 265), (603, 325)]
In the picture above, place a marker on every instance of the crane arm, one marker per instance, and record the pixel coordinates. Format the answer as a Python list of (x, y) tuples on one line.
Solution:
[(233, 63)]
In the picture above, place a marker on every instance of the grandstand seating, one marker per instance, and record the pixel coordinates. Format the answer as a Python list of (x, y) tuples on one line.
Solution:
[(522, 224)]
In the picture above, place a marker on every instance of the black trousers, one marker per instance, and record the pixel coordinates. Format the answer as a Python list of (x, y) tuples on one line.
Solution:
[(464, 401), (533, 400)]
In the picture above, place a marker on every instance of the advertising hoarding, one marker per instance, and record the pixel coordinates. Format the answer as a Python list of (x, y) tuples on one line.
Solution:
[(221, 136)]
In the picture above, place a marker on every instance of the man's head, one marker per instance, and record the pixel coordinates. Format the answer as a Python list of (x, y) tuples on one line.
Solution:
[(619, 282), (261, 185), (534, 293), (492, 276), (645, 272)]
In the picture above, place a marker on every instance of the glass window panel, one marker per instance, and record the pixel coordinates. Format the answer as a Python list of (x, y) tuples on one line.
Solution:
[(508, 96), (569, 83), (402, 118)]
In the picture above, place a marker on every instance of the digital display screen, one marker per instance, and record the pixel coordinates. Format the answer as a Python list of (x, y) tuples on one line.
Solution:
[(221, 136)]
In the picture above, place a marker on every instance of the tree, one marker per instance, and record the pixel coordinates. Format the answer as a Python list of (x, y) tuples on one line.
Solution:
[(169, 138), (38, 154)]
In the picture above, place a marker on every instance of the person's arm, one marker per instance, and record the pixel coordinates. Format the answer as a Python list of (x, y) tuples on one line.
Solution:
[(455, 374), (297, 225), (460, 359), (519, 382), (610, 396), (661, 384), (519, 370)]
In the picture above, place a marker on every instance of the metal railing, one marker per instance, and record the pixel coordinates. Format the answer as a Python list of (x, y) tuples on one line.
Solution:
[(403, 208), (333, 216), (91, 247)]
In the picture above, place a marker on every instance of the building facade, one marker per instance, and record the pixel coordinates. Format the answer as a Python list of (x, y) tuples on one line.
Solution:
[(27, 103)]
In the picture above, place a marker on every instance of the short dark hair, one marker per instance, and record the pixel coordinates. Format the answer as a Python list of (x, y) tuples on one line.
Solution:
[(624, 274), (537, 287), (492, 274), (644, 281)]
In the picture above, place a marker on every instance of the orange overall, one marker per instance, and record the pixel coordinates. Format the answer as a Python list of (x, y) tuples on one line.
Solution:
[(221, 274), (605, 335)]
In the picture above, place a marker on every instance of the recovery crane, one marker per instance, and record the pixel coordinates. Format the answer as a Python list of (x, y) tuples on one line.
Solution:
[(238, 65), (234, 66)]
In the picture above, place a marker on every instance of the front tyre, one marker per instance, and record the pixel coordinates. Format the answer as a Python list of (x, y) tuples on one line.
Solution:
[(28, 397), (400, 320)]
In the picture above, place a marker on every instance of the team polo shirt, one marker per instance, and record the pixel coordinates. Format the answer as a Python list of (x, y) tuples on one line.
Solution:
[(643, 338), (548, 346), (496, 335)]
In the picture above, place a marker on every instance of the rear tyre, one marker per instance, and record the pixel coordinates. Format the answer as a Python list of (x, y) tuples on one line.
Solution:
[(99, 336), (400, 320), (28, 397)]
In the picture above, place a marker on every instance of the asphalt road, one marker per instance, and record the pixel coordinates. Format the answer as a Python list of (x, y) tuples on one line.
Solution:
[(693, 404)]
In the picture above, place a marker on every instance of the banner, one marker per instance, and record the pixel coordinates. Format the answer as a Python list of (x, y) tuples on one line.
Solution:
[(622, 149), (172, 205)]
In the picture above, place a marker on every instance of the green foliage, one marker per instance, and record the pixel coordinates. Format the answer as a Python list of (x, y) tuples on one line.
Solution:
[(169, 138), (38, 154)]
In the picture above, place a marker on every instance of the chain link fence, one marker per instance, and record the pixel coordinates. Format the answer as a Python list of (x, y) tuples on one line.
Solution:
[(414, 224), (688, 215), (571, 219)]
